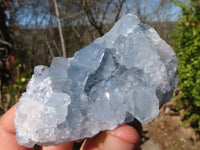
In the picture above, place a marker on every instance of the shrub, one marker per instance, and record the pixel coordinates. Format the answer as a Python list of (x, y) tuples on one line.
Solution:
[(187, 47), (10, 94)]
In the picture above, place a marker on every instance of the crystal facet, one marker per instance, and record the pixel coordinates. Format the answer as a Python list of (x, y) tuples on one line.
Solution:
[(128, 73)]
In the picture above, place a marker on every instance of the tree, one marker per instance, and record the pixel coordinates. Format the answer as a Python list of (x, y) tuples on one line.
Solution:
[(5, 39), (187, 47), (60, 28), (5, 46), (72, 18), (149, 10), (96, 12), (160, 14)]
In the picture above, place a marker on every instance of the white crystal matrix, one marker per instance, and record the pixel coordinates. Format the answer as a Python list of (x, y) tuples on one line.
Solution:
[(128, 73)]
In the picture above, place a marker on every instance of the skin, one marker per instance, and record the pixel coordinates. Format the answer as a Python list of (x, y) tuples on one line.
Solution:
[(125, 137)]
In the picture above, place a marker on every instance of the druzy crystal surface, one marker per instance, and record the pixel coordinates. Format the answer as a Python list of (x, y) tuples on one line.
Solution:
[(128, 73)]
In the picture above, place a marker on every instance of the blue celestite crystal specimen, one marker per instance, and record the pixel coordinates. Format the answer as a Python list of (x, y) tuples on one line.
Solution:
[(128, 73)]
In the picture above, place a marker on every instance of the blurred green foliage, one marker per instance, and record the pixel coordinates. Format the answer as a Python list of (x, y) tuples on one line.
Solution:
[(11, 94), (187, 47)]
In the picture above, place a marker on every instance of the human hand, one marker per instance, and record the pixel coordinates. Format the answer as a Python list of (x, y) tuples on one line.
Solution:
[(124, 137)]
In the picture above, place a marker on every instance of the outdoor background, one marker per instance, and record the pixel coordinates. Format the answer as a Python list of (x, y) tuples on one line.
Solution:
[(32, 32)]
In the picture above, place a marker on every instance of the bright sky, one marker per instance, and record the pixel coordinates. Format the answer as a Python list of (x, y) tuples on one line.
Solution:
[(41, 17)]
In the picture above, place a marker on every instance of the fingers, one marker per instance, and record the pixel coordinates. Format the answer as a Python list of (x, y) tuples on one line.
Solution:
[(7, 131), (7, 134), (123, 137), (7, 120), (66, 146)]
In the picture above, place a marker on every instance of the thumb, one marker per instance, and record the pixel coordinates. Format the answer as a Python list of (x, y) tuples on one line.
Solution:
[(124, 137)]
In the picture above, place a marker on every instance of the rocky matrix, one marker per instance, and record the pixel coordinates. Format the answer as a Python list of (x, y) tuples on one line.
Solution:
[(128, 73)]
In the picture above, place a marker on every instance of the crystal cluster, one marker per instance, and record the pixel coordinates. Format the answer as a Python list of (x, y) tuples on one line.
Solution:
[(128, 73)]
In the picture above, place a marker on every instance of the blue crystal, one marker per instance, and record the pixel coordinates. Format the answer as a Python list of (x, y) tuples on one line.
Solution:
[(128, 73)]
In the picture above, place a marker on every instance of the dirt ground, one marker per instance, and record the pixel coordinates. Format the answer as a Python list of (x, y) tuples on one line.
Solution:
[(166, 132)]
